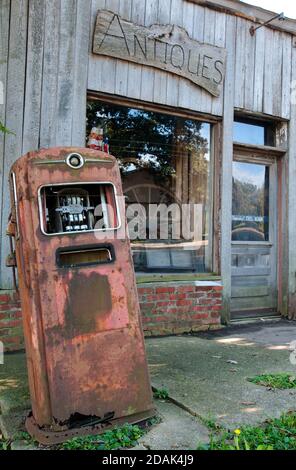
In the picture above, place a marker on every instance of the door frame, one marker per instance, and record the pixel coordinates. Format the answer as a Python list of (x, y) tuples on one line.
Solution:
[(270, 156)]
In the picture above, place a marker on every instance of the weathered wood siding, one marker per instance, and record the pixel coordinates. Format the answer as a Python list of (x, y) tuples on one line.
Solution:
[(48, 68), (44, 72)]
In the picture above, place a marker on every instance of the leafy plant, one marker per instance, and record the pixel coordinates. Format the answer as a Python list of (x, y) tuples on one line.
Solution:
[(24, 436), (275, 434), (4, 129), (118, 438), (281, 381), (4, 444), (161, 394)]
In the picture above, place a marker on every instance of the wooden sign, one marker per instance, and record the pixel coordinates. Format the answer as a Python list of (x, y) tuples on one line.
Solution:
[(165, 47)]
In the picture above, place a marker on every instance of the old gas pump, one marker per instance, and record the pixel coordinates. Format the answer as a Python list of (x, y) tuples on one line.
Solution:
[(84, 343)]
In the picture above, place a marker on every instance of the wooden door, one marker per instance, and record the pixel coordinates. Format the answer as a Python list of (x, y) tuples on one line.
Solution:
[(254, 237)]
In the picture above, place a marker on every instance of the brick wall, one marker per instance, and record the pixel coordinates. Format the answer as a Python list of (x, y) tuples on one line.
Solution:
[(177, 308), (172, 308), (11, 332)]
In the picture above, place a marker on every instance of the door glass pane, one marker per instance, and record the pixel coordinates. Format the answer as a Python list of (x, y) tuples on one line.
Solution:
[(250, 202)]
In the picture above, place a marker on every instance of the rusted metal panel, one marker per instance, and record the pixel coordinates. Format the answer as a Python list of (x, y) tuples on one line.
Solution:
[(84, 342)]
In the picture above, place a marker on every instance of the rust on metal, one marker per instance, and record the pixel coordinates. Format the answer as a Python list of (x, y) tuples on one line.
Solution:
[(84, 341)]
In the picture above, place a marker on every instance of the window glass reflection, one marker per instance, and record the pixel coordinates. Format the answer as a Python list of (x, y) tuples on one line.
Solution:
[(249, 133), (165, 161), (250, 202)]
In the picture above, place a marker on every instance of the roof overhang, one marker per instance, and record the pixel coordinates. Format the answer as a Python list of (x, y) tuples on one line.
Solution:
[(249, 12)]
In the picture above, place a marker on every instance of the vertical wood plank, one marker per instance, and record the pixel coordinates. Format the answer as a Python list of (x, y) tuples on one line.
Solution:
[(95, 65), (161, 78), (14, 115), (290, 291), (286, 76), (209, 38), (239, 82), (148, 73), (249, 60), (226, 178), (125, 11), (220, 36), (277, 58), (81, 71), (108, 64), (48, 121), (186, 89), (268, 72), (34, 70), (4, 35), (173, 83), (259, 70), (198, 35), (65, 72), (135, 70)]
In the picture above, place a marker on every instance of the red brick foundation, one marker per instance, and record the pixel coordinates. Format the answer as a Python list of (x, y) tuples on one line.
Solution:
[(180, 308), (11, 331), (171, 308)]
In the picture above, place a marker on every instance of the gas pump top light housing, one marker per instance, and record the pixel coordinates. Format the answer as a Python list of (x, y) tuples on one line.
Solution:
[(84, 343), (75, 160)]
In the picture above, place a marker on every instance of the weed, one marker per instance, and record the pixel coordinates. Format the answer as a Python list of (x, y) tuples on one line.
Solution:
[(4, 444), (275, 434), (4, 129), (161, 394), (281, 381), (118, 438)]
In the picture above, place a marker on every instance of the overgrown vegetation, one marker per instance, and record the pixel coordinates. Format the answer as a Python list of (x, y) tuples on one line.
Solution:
[(275, 434), (118, 438), (161, 394), (281, 381)]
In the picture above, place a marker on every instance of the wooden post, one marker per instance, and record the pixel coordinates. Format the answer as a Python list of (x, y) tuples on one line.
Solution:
[(292, 197), (226, 183)]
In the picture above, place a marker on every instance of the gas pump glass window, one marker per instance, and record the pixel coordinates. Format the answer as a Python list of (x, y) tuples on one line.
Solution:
[(166, 171), (81, 207)]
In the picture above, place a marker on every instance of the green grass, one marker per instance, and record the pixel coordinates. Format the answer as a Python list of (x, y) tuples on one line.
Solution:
[(161, 394), (118, 438), (275, 434), (281, 381), (4, 445)]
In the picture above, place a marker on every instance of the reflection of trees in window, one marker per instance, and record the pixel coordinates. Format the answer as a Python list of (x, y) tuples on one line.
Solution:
[(164, 159), (248, 199), (252, 201), (171, 149)]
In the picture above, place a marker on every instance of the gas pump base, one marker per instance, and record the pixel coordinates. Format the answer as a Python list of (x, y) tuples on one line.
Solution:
[(47, 436)]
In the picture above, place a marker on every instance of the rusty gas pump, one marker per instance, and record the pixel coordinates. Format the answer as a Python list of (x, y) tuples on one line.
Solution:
[(84, 343)]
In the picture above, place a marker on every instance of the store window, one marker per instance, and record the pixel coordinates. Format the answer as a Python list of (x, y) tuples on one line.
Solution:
[(166, 170), (253, 132)]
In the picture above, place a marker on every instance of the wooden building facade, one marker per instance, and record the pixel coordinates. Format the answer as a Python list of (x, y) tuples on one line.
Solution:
[(54, 75)]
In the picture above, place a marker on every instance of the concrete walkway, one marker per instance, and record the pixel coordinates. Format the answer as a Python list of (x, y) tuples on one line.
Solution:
[(205, 375)]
